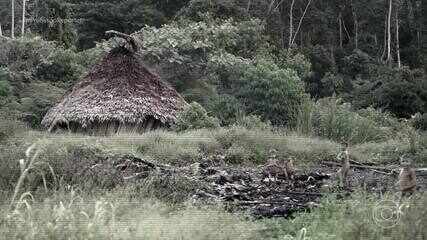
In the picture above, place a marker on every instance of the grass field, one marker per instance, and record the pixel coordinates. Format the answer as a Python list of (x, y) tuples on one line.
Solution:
[(50, 204)]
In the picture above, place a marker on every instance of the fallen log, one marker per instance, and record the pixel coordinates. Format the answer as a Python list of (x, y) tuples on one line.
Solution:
[(383, 169)]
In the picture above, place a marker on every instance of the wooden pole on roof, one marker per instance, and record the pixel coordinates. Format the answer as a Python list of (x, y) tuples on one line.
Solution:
[(130, 39)]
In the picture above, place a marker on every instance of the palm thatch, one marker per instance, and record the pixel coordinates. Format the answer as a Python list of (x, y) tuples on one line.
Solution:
[(119, 92)]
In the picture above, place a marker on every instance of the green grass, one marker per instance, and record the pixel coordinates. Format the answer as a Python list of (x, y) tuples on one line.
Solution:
[(124, 214), (115, 215), (65, 204), (358, 217)]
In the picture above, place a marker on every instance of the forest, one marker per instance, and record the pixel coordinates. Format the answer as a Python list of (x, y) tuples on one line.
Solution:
[(231, 119)]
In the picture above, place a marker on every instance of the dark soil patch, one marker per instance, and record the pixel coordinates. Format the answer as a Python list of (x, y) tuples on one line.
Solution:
[(246, 189)]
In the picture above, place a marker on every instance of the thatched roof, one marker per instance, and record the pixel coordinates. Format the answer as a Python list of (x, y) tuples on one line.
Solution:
[(119, 88)]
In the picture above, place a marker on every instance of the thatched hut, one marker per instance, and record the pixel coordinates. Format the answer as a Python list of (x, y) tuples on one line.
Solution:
[(119, 94)]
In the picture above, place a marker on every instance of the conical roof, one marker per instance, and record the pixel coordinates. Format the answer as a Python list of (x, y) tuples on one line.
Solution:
[(118, 88)]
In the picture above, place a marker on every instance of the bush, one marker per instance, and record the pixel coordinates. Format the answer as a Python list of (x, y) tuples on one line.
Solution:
[(5, 87), (194, 116), (173, 148), (226, 108), (63, 67), (420, 121), (363, 216), (274, 94), (338, 121), (322, 61), (253, 122), (254, 145), (295, 61), (10, 127), (24, 54), (400, 91), (356, 63), (37, 99), (169, 188), (332, 84), (238, 154)]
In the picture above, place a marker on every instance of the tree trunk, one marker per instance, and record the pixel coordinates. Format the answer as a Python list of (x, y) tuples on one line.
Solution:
[(248, 7), (397, 39), (388, 60), (385, 41), (23, 19), (1, 31), (291, 23), (300, 22), (340, 27), (356, 26), (12, 30)]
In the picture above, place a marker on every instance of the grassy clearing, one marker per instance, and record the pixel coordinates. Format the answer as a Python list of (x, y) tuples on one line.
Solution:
[(124, 214), (114, 215), (67, 154), (159, 208)]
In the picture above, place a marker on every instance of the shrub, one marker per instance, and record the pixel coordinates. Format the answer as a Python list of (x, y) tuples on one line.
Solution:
[(170, 188), (338, 121), (226, 108), (9, 127), (332, 84), (173, 148), (304, 120), (420, 121), (24, 54), (194, 116), (296, 61), (63, 67), (253, 122), (5, 87), (400, 91), (363, 216), (37, 99), (255, 145), (322, 61), (237, 154), (356, 63), (270, 92)]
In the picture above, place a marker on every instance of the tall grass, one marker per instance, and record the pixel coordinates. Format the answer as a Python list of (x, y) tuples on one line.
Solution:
[(332, 119), (69, 215)]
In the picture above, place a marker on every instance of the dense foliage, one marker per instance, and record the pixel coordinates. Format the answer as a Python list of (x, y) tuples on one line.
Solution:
[(303, 77), (217, 52)]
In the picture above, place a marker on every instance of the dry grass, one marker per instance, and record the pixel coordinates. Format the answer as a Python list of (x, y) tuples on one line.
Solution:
[(68, 215)]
